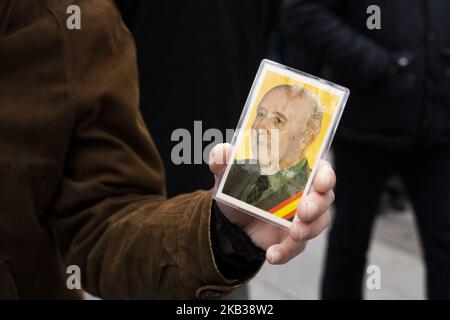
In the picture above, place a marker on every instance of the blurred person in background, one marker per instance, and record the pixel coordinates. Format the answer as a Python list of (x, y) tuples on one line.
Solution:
[(397, 121)]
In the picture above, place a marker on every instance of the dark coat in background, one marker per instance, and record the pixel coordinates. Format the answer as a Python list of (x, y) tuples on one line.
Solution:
[(390, 109), (197, 62)]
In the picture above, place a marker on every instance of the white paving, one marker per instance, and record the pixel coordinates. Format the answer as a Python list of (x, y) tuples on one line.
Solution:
[(395, 250)]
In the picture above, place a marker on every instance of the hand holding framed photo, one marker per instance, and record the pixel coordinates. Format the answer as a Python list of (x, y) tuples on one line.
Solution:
[(286, 127)]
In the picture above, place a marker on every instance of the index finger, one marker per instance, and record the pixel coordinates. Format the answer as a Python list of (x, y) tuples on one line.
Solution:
[(218, 158)]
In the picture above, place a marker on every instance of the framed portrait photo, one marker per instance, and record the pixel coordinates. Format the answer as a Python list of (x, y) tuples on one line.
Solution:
[(286, 128)]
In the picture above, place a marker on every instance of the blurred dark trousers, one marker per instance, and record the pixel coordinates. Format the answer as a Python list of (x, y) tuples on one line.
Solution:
[(361, 175)]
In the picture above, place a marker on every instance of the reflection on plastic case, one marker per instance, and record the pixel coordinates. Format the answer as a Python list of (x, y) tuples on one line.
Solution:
[(286, 128)]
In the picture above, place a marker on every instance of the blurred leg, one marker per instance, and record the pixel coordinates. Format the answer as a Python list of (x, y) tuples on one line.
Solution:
[(361, 174), (395, 192), (427, 179)]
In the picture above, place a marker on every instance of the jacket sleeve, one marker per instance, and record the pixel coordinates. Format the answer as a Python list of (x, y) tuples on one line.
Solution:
[(320, 27), (111, 216)]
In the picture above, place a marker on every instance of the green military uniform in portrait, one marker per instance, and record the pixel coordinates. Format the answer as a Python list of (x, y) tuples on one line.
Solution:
[(246, 183)]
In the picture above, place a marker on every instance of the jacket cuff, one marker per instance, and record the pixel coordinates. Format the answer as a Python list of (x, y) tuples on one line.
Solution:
[(198, 267), (234, 252)]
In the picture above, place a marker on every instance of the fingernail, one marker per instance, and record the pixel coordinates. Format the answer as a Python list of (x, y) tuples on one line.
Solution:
[(310, 209), (300, 230), (329, 181), (275, 256), (303, 212)]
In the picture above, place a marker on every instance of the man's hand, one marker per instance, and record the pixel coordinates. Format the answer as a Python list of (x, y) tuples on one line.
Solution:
[(311, 219)]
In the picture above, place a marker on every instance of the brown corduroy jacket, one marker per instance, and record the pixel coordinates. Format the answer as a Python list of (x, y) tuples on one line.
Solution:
[(81, 182)]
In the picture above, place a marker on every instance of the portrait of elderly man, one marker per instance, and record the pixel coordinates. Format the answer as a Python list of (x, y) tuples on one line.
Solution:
[(282, 170)]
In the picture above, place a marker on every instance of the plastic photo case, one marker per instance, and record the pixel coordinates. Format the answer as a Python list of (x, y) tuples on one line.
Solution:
[(286, 128)]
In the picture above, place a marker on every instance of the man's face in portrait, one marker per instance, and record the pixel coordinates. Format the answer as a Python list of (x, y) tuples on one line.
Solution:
[(294, 115)]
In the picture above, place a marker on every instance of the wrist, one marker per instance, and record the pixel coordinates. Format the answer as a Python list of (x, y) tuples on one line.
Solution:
[(233, 239), (224, 243), (231, 260)]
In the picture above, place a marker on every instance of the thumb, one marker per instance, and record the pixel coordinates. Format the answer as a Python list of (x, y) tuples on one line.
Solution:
[(218, 159)]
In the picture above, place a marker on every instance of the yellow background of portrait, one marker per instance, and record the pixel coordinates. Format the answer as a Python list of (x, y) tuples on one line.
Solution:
[(328, 101)]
